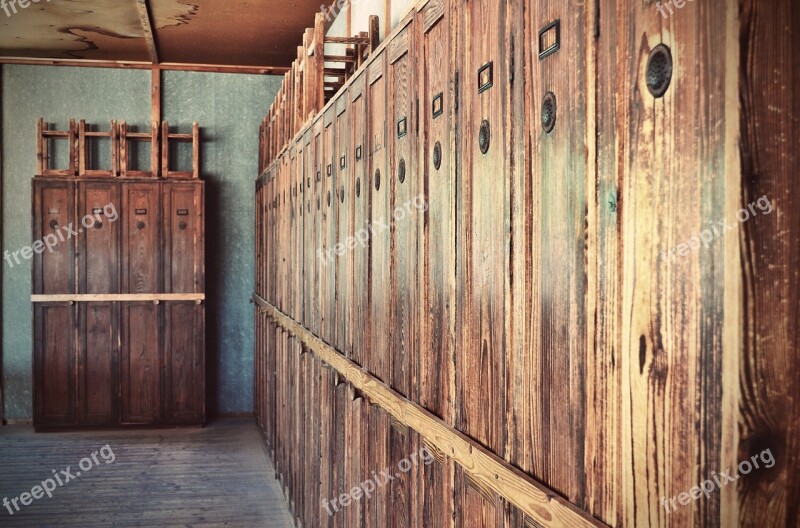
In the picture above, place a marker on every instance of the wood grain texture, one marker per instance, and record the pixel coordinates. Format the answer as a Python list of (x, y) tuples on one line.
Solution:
[(484, 466)]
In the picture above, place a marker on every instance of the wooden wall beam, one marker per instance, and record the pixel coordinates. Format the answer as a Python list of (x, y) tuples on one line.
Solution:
[(138, 65), (123, 297), (147, 26), (542, 504)]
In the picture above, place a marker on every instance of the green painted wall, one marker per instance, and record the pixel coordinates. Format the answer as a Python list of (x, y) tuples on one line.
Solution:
[(228, 109)]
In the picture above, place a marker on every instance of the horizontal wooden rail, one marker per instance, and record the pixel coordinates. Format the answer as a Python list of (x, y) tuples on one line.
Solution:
[(120, 297), (540, 503)]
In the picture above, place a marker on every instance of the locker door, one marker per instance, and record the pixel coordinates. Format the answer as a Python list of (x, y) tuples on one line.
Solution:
[(377, 358), (484, 218), (54, 225), (557, 359), (318, 182), (141, 247), (344, 219), (183, 257), (436, 146), (298, 262), (184, 363), (55, 365), (310, 252), (140, 363), (98, 361), (98, 255), (405, 187), (329, 226), (358, 197)]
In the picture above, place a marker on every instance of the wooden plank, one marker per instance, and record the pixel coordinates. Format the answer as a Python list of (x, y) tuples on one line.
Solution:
[(536, 500), (122, 297), (143, 10)]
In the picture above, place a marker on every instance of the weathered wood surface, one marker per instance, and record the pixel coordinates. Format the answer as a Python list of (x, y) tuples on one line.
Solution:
[(548, 305)]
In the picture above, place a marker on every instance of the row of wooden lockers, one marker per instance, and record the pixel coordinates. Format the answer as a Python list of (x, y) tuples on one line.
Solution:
[(118, 364), (344, 462), (368, 237), (108, 237)]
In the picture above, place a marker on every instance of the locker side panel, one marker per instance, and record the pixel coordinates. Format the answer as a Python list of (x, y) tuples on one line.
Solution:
[(359, 198)]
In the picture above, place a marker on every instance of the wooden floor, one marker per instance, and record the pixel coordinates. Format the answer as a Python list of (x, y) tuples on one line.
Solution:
[(216, 476)]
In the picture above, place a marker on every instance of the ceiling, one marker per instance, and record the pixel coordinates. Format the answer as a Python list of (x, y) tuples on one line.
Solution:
[(260, 33)]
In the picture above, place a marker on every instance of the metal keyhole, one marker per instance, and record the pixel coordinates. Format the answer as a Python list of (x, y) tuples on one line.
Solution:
[(98, 225), (659, 70), (401, 171), (437, 156), (484, 136), (377, 179), (549, 112), (53, 224), (182, 226), (139, 225)]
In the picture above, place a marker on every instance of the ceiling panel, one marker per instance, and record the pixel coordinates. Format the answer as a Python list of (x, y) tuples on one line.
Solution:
[(219, 32)]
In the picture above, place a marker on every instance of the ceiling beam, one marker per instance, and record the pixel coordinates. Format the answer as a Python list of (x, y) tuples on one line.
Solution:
[(139, 65), (147, 26)]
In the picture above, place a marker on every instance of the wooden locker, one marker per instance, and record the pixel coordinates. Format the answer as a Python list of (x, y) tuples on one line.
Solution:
[(484, 217), (340, 452), (318, 184), (184, 237), (98, 363), (141, 238), (378, 507), (98, 244), (55, 365), (298, 247), (140, 362), (309, 249), (358, 197), (342, 208), (54, 225), (405, 188), (329, 225), (183, 363), (377, 359)]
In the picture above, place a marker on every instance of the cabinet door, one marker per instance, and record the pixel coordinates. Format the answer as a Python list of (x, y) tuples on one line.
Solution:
[(98, 363), (403, 185), (98, 254), (377, 356), (183, 238), (184, 363), (55, 366), (140, 368), (141, 248), (54, 226)]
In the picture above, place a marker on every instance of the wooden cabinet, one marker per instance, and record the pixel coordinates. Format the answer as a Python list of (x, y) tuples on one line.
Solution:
[(116, 347)]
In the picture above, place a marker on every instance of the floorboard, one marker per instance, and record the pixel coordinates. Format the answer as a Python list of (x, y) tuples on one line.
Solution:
[(215, 476)]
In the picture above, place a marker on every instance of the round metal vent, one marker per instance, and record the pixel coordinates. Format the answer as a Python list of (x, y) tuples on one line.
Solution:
[(377, 179), (437, 156), (549, 112), (485, 136), (659, 70), (401, 171)]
